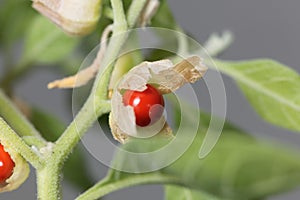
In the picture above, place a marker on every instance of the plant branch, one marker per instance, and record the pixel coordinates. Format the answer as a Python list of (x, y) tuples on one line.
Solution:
[(116, 41), (97, 103), (84, 119), (16, 119), (10, 138), (95, 106), (49, 183), (104, 187)]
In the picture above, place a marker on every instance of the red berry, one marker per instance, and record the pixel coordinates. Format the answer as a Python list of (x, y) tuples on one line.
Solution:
[(148, 105), (6, 165)]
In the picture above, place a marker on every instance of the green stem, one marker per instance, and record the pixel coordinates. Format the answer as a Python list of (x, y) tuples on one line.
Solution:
[(90, 111), (84, 119), (49, 183), (95, 106), (134, 11), (16, 119), (10, 138), (104, 187), (116, 42)]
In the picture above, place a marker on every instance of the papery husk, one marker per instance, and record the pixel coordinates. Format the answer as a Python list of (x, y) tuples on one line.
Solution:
[(75, 17), (20, 172), (166, 77), (87, 74)]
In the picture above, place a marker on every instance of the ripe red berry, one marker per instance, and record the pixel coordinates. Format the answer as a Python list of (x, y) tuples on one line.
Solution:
[(6, 165), (148, 105)]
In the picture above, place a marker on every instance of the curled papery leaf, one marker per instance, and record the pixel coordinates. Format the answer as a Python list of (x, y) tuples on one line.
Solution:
[(20, 171), (166, 78), (76, 17), (85, 75), (148, 12)]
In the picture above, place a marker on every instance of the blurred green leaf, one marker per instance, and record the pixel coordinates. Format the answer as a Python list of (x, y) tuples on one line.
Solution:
[(271, 87), (49, 126), (15, 17), (205, 118), (159, 54), (46, 43), (75, 169), (89, 42), (164, 17), (237, 168), (182, 193)]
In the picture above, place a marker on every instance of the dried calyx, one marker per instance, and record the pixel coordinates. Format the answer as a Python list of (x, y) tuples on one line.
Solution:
[(76, 17), (17, 169), (166, 78), (85, 75)]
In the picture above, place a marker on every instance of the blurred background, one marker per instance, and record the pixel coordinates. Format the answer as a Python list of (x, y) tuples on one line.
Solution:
[(262, 29)]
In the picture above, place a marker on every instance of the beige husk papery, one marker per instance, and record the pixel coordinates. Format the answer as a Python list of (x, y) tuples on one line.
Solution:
[(20, 172), (75, 17), (167, 78)]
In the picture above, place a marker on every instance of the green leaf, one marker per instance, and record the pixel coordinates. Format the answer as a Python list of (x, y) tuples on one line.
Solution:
[(272, 88), (181, 193), (51, 128), (205, 118), (15, 16), (237, 168), (117, 179), (46, 43), (164, 17), (14, 117)]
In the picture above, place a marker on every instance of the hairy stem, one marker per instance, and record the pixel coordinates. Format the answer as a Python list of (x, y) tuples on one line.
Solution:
[(49, 183), (84, 119), (95, 106), (10, 138), (96, 103)]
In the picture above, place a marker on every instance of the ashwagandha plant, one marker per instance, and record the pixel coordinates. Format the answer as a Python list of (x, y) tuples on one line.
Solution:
[(134, 88)]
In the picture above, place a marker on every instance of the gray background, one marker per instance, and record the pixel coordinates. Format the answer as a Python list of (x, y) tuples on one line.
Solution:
[(262, 28)]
